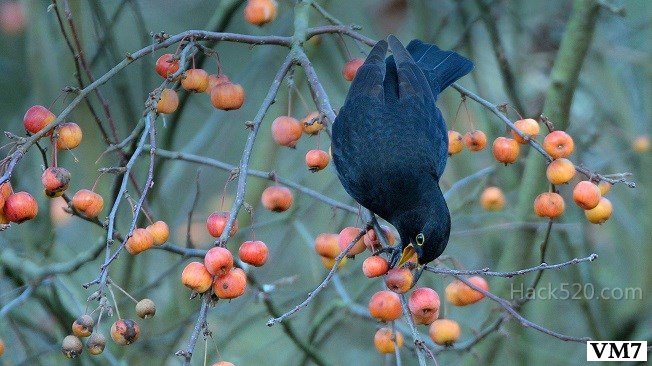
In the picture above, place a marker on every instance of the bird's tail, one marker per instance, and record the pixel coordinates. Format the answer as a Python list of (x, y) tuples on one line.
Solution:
[(442, 68)]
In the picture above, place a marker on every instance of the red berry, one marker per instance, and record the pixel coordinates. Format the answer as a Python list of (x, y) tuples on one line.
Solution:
[(55, 181), (36, 118), (227, 96), (424, 305), (351, 68), (399, 280), (317, 160), (375, 266), (196, 277), (385, 306), (286, 131), (347, 235), (277, 198), (88, 203), (166, 66), (216, 222), (253, 252), (231, 285), (19, 207), (218, 261)]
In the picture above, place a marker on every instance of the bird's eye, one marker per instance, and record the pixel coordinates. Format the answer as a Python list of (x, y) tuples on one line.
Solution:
[(420, 239)]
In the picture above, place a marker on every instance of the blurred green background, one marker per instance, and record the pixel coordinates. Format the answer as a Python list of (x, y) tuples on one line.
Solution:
[(610, 109)]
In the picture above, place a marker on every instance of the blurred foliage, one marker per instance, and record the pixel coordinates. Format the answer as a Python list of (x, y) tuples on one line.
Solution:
[(611, 107)]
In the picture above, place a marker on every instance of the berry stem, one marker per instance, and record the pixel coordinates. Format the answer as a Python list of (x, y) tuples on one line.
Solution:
[(123, 291), (115, 303)]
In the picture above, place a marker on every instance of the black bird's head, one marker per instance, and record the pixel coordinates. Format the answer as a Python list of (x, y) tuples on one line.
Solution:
[(424, 231)]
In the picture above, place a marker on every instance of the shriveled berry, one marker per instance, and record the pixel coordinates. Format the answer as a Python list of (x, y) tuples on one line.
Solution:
[(125, 331), (96, 343), (71, 346), (145, 308), (55, 181), (83, 326)]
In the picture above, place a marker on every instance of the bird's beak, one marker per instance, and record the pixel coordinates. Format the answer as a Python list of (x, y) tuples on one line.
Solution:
[(408, 253)]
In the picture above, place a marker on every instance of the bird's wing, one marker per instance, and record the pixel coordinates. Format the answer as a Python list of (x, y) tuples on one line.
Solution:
[(364, 105), (412, 96), (367, 86)]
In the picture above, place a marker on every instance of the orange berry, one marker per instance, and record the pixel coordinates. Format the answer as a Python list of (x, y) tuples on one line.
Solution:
[(312, 123), (505, 150), (560, 171), (260, 12), (83, 326), (223, 363), (218, 261), (196, 277), (19, 207), (55, 181), (330, 262), (166, 66), (455, 142), (385, 306), (549, 204), (286, 131), (277, 198), (125, 331), (475, 140), (399, 280), (139, 241), (231, 285), (529, 127), (372, 242), (351, 67), (375, 266), (558, 144), (424, 305), (600, 213), (492, 199), (444, 331), (2, 347), (216, 222), (69, 136), (88, 203), (346, 236), (326, 245), (586, 194), (227, 96), (317, 160), (195, 80), (641, 144), (253, 252), (385, 340), (160, 231), (37, 118), (168, 101), (605, 187), (460, 294), (216, 79)]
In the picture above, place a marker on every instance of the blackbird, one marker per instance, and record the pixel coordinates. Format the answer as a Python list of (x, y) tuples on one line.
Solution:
[(390, 142)]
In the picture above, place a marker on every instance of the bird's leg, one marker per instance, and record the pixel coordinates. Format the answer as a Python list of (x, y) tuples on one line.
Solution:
[(394, 256)]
